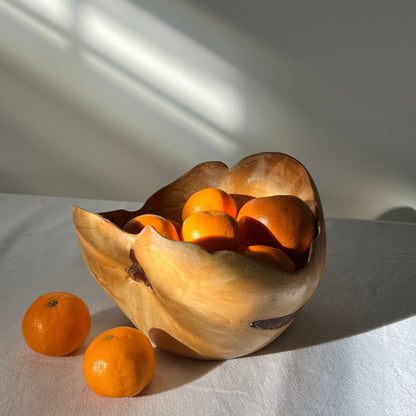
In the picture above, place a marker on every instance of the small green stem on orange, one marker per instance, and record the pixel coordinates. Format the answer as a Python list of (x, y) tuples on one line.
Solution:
[(52, 303), (110, 336)]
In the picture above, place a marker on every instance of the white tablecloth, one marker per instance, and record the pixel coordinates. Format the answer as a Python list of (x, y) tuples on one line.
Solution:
[(351, 351)]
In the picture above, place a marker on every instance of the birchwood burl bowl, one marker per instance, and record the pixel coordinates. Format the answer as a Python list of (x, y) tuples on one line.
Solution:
[(192, 302)]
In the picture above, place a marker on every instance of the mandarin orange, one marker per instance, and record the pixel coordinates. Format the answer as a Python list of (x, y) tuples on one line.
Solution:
[(119, 362), (163, 226), (282, 221), (213, 230), (56, 323), (209, 199), (270, 255)]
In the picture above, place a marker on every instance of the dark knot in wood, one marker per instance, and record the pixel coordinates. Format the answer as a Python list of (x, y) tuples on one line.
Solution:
[(136, 272), (274, 323)]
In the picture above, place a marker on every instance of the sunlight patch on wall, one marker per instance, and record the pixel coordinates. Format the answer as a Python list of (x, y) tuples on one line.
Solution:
[(47, 19), (57, 12), (199, 92), (202, 131)]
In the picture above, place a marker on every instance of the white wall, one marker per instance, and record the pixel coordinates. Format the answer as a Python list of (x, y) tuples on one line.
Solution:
[(113, 100)]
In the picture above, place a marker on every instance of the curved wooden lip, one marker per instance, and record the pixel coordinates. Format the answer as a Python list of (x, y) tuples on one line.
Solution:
[(217, 174), (119, 217), (315, 260)]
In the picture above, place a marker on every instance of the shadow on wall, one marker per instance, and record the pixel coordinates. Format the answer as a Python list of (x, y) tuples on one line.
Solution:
[(149, 89), (401, 214)]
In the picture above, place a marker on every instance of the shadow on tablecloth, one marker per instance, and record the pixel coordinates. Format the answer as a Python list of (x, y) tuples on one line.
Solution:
[(369, 281)]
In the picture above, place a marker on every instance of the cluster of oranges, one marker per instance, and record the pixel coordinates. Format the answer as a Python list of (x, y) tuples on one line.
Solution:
[(275, 229), (119, 362)]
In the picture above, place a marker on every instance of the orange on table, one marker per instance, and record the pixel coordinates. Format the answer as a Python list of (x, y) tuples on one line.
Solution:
[(213, 230), (56, 323), (282, 221), (209, 199), (119, 363), (163, 226), (270, 255)]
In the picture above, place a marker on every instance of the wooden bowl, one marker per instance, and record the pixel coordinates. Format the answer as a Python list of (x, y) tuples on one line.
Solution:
[(192, 302)]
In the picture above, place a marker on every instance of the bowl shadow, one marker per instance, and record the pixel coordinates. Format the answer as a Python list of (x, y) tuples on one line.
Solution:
[(173, 371), (367, 283)]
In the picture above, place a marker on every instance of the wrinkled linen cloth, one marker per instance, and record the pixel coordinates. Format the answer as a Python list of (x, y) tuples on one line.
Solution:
[(350, 351)]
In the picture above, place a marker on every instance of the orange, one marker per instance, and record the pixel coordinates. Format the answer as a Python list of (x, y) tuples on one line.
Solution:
[(209, 199), (282, 221), (119, 363), (270, 255), (213, 230), (163, 226), (56, 323)]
